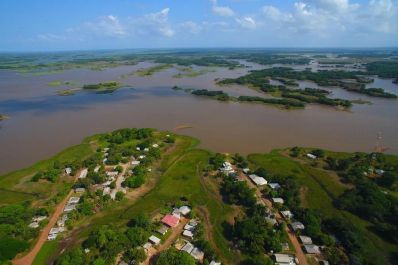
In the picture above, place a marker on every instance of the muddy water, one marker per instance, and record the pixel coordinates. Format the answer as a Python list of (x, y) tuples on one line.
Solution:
[(43, 123)]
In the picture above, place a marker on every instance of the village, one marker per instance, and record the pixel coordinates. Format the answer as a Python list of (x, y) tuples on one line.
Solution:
[(303, 244)]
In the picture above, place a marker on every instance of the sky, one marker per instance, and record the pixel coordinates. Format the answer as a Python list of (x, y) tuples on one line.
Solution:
[(51, 25)]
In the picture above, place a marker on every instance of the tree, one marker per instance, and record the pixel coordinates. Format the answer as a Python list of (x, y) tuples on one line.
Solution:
[(119, 168), (174, 257), (137, 236), (135, 254), (119, 195), (336, 256)]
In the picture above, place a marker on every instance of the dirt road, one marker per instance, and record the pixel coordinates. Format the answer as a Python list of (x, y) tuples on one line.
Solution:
[(292, 236), (29, 258)]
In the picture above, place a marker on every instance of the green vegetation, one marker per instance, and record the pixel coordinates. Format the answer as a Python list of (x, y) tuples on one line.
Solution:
[(268, 58), (219, 95), (386, 69), (175, 257), (322, 189), (331, 195), (3, 117), (46, 252), (197, 60), (154, 69), (189, 72), (108, 86), (260, 79), (66, 92)]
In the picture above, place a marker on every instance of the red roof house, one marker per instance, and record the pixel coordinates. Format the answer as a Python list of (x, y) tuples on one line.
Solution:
[(170, 220)]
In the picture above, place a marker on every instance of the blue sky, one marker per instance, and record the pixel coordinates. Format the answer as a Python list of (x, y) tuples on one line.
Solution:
[(41, 25)]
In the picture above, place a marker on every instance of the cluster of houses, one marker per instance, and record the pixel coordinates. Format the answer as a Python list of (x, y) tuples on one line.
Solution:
[(69, 207), (296, 226)]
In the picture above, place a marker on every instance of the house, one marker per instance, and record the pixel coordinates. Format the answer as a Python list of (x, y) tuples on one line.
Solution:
[(106, 190), (323, 262), (34, 225), (184, 210), (170, 220), (274, 186), (278, 200), (68, 171), (138, 149), (38, 219), (106, 149), (188, 247), (54, 230), (311, 156), (284, 259), (312, 249), (226, 168), (146, 149), (379, 172), (104, 161), (305, 240), (96, 169), (297, 226), (112, 173), (155, 240), (270, 220), (155, 145), (69, 208), (287, 214), (135, 163), (188, 234), (80, 190), (259, 181), (52, 237), (83, 173), (214, 263), (197, 254), (176, 212), (189, 227), (162, 230), (246, 170), (61, 223), (147, 246), (141, 157), (73, 200)]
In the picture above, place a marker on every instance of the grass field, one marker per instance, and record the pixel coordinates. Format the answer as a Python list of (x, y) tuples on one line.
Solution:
[(16, 186), (322, 189), (46, 252)]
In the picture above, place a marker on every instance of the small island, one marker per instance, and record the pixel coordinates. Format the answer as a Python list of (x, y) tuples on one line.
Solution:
[(287, 98), (3, 117), (108, 86)]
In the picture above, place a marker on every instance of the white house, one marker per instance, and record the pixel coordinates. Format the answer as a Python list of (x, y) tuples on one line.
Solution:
[(34, 225), (69, 208), (246, 170), (135, 163), (96, 169), (184, 210), (214, 263), (305, 240), (259, 181), (311, 156), (83, 173), (274, 186), (73, 200), (197, 254), (287, 214), (278, 200), (155, 145), (284, 259), (188, 234), (155, 240), (68, 171), (297, 226), (188, 247)]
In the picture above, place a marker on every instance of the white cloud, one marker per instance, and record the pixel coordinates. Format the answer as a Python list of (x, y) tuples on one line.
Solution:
[(191, 27), (246, 22), (158, 22), (108, 26), (224, 11)]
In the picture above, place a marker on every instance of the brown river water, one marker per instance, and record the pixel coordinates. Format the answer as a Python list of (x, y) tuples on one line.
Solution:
[(42, 123)]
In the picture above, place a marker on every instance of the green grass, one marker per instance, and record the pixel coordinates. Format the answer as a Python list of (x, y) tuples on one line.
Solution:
[(46, 252), (16, 183)]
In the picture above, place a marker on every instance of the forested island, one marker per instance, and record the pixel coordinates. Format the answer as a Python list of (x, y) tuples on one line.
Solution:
[(351, 81), (288, 98), (108, 86), (125, 185)]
